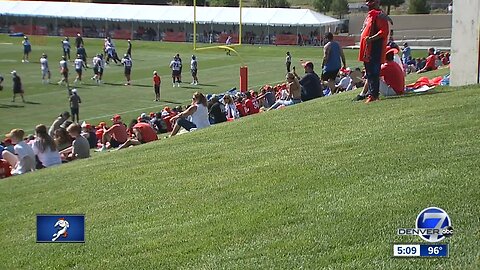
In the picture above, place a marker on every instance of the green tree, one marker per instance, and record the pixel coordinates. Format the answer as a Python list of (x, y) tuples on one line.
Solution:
[(322, 5), (224, 3), (272, 3), (390, 3), (281, 4), (418, 7), (339, 7)]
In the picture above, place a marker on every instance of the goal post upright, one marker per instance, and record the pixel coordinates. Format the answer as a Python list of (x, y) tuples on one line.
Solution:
[(194, 25), (240, 24)]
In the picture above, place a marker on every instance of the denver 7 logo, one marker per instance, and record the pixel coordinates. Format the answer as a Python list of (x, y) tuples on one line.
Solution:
[(433, 218)]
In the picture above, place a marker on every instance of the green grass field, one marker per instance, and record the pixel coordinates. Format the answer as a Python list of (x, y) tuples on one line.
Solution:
[(321, 185)]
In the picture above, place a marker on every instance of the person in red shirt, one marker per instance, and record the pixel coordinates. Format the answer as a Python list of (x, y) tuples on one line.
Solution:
[(431, 62), (393, 82), (373, 43), (156, 85), (116, 134), (239, 106), (251, 104), (142, 133)]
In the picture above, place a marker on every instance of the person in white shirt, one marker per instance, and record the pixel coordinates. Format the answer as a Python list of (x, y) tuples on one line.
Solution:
[(98, 66), (197, 112), (228, 42), (64, 71), (45, 69), (194, 69), (66, 48), (79, 66), (345, 83), (45, 148), (23, 160)]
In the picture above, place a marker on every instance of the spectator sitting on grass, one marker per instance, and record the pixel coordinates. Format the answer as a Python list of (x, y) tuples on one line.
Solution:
[(230, 108), (89, 133), (80, 147), (293, 90), (392, 81), (217, 111), (116, 134), (267, 97), (45, 148), (430, 63), (62, 139), (239, 106), (142, 133), (23, 160), (311, 84), (58, 122), (345, 83), (250, 103), (357, 78), (198, 113)]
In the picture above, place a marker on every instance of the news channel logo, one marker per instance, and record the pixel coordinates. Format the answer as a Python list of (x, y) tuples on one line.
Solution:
[(432, 225), (61, 228)]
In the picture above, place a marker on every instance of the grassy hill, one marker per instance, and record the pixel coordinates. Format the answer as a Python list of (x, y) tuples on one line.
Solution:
[(321, 185)]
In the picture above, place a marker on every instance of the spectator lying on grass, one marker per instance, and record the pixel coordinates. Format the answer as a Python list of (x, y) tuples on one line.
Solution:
[(142, 133)]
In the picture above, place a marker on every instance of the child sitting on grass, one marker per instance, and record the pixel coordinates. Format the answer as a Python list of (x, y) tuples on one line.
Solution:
[(80, 147)]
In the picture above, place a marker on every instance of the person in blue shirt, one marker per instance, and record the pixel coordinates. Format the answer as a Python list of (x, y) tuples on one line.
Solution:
[(406, 53), (27, 48), (333, 54)]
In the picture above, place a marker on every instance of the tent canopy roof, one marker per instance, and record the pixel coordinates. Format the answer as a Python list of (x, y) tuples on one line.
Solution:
[(165, 14)]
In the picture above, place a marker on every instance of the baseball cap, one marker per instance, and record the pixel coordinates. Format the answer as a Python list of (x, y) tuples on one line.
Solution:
[(155, 72), (308, 63), (143, 115), (16, 132), (392, 49), (116, 117), (74, 90), (13, 72)]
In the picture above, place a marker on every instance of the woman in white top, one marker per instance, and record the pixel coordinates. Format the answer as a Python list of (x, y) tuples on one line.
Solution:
[(45, 148), (232, 112), (198, 113), (23, 160)]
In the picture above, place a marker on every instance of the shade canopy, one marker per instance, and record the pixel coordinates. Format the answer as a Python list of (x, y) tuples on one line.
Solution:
[(166, 14)]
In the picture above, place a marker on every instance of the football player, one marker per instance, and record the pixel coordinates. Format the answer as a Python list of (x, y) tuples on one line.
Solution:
[(79, 66), (66, 48), (127, 63), (45, 69)]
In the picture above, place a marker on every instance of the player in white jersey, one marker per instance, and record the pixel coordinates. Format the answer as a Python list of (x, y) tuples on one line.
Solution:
[(176, 65), (64, 72), (45, 69), (66, 48), (98, 66), (127, 63), (79, 66), (228, 42), (194, 69), (110, 51)]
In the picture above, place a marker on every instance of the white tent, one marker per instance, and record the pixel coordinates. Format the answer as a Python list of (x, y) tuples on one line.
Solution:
[(166, 14)]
